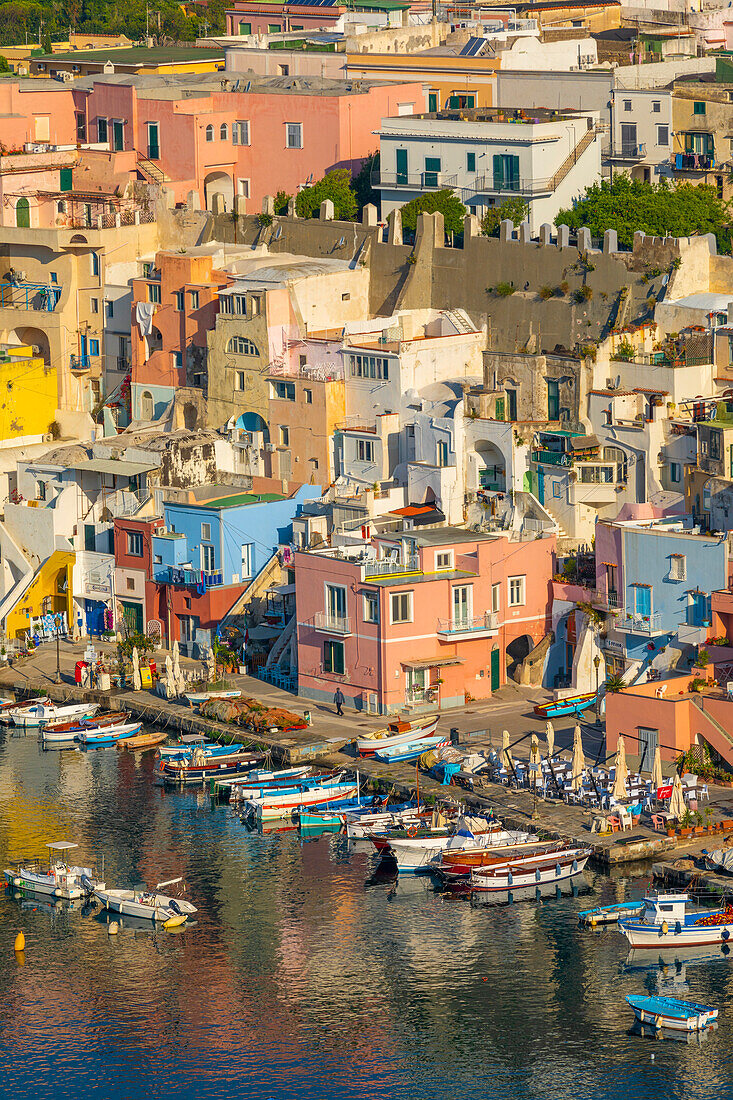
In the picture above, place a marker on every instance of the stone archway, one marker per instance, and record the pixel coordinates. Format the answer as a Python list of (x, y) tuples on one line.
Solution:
[(491, 466), (219, 183)]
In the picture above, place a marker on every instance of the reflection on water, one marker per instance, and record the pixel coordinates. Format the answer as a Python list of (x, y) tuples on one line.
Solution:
[(298, 979)]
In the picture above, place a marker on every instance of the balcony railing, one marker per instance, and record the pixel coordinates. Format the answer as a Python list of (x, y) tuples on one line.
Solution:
[(414, 181), (80, 362), (199, 577), (552, 458), (693, 162), (628, 150), (478, 624), (610, 600), (332, 624), (387, 567), (37, 296), (632, 623)]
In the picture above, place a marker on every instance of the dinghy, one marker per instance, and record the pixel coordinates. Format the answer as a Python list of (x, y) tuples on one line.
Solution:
[(410, 750), (141, 740), (96, 737), (610, 914), (518, 871), (60, 880), (148, 904), (669, 1012), (396, 733), (68, 732), (195, 698), (7, 707), (282, 803), (205, 763), (571, 704)]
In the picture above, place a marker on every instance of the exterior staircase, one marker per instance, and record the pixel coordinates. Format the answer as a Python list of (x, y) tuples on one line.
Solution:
[(151, 171), (571, 160), (711, 729), (283, 643), (271, 573)]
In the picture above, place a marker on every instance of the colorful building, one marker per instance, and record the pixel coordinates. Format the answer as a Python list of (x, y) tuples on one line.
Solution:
[(137, 60), (30, 393), (50, 592), (420, 619)]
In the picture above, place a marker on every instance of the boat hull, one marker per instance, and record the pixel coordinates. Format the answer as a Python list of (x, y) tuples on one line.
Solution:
[(67, 887), (667, 1012), (368, 746), (411, 750), (270, 808), (215, 768), (129, 904), (93, 738), (532, 873), (416, 856), (572, 704), (653, 937)]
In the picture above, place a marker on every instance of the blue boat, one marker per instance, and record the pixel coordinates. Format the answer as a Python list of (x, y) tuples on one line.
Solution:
[(411, 750), (672, 1013), (571, 704), (609, 914)]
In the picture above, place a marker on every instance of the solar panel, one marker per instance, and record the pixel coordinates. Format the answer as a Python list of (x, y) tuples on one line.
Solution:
[(473, 47)]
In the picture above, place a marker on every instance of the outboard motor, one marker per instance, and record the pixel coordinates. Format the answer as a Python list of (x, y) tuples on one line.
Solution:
[(173, 904), (87, 884)]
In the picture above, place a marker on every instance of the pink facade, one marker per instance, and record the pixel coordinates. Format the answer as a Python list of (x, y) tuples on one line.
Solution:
[(425, 620), (258, 18), (36, 111), (282, 137)]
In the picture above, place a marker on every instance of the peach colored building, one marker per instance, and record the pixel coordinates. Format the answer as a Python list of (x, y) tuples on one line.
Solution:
[(420, 619), (249, 136), (36, 111)]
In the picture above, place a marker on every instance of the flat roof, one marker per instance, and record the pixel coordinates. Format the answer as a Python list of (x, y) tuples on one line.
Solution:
[(439, 536), (136, 55), (112, 466), (236, 500), (418, 578)]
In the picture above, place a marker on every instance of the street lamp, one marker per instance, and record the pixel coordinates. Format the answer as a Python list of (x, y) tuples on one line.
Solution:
[(57, 618), (597, 663)]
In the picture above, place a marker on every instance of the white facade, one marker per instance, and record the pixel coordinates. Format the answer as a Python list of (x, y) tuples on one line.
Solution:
[(642, 132), (548, 158)]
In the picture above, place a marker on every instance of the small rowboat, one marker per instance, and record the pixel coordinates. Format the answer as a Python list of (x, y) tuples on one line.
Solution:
[(110, 735), (196, 697), (672, 1013), (571, 704), (41, 714), (396, 733), (410, 750), (141, 741), (609, 914), (66, 732), (529, 870)]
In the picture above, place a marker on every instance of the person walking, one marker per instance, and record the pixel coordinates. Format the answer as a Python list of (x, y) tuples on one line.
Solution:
[(338, 699)]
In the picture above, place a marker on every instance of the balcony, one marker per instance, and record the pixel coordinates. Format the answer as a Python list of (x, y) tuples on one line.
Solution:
[(552, 458), (387, 567), (79, 362), (35, 296), (608, 601), (629, 151), (481, 626), (648, 625), (332, 624), (184, 577), (414, 181), (693, 162)]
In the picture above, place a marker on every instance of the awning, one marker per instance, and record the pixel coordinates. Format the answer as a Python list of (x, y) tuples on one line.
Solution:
[(432, 662), (584, 443)]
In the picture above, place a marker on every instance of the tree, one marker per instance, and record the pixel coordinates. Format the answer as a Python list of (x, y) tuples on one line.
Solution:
[(362, 183), (4, 67), (281, 200), (46, 45), (446, 202), (659, 209), (335, 186), (515, 209)]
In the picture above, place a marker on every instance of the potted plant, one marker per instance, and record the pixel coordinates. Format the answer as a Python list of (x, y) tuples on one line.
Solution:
[(686, 824), (708, 812), (698, 827)]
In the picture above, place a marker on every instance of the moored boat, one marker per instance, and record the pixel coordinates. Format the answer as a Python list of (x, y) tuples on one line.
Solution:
[(66, 732), (610, 914), (672, 1013), (141, 740), (60, 879), (202, 764), (571, 704), (170, 911), (40, 714), (108, 735), (282, 803), (414, 855), (410, 750), (666, 923), (196, 697), (529, 870), (396, 733), (6, 708), (454, 866)]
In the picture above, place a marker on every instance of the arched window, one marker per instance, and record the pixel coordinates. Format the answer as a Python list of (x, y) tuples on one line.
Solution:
[(61, 207), (223, 132), (209, 133), (240, 345), (23, 214), (146, 405)]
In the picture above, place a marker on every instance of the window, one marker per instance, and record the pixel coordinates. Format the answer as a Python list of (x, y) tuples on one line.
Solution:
[(206, 532), (102, 129), (516, 591), (369, 366), (656, 106), (239, 380), (245, 28), (335, 602), (274, 28), (94, 305), (207, 558), (506, 172), (240, 345), (94, 347), (118, 135), (677, 567), (154, 292), (194, 299), (444, 559), (40, 490), (247, 558), (293, 135), (284, 390), (556, 490), (240, 133), (642, 599), (433, 168), (627, 104), (470, 162), (442, 453), (233, 304), (333, 657), (209, 133), (432, 101), (675, 471), (153, 141), (346, 297), (715, 440), (553, 399), (463, 603), (135, 544), (459, 100), (698, 107), (130, 584), (178, 359), (284, 435), (95, 263), (371, 607), (365, 450), (401, 607), (223, 132), (496, 598), (308, 397), (243, 188), (284, 70), (158, 559), (180, 301), (401, 165), (662, 135), (81, 126)]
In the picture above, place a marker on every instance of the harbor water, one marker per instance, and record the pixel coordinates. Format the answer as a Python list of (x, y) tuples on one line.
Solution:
[(306, 975)]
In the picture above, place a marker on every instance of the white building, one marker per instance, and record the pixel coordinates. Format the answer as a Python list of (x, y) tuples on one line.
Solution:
[(642, 133), (487, 155)]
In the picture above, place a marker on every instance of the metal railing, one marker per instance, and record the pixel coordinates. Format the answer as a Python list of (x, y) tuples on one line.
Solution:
[(552, 458), (488, 621), (387, 567), (179, 576), (79, 362), (628, 150), (23, 295), (633, 623), (416, 181), (332, 624), (611, 600)]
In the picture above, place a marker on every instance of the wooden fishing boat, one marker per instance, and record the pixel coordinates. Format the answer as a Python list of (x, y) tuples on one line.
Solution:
[(410, 750), (672, 1013), (6, 707), (414, 855), (282, 804), (100, 737), (60, 732), (455, 865), (196, 697), (666, 923), (610, 914), (40, 714), (571, 704), (396, 733), (530, 870), (141, 740), (202, 764)]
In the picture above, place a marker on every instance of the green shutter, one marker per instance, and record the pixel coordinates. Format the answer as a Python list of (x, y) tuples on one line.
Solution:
[(498, 172), (65, 180)]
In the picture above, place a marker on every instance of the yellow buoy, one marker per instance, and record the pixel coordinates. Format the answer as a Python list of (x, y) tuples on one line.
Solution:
[(113, 928), (20, 942), (174, 922)]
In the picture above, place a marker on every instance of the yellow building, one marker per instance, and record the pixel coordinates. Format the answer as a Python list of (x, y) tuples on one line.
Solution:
[(50, 591), (138, 61), (28, 392), (450, 81)]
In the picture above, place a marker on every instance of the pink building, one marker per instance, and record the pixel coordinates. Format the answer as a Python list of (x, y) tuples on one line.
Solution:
[(260, 135), (252, 17), (40, 111), (422, 619)]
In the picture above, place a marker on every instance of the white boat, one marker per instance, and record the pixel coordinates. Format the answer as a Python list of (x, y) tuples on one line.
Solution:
[(40, 714), (413, 855), (668, 922), (109, 735), (60, 880), (396, 733), (9, 705), (196, 697), (64, 733), (273, 804), (529, 870), (148, 904)]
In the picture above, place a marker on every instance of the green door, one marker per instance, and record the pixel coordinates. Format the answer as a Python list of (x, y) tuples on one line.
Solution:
[(66, 181), (401, 163), (495, 669), (153, 141), (133, 616), (22, 214), (118, 135), (432, 168), (432, 101)]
